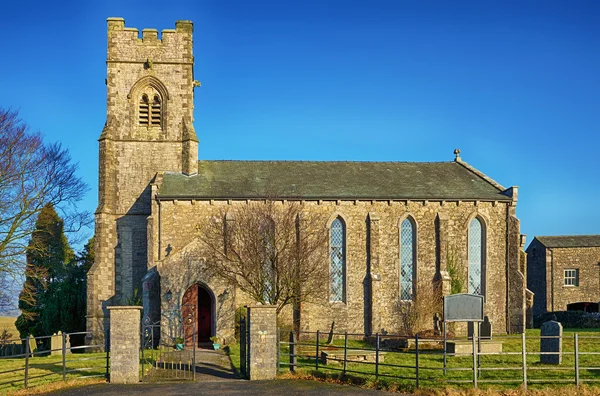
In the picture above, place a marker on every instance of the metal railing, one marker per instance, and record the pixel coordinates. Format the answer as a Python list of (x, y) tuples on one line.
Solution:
[(419, 359), (30, 362)]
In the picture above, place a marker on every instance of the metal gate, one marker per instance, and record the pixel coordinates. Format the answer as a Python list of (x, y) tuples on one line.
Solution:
[(169, 353)]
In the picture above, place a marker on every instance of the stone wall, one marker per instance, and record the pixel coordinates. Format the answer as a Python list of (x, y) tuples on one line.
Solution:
[(376, 222), (546, 276), (262, 349), (124, 344), (586, 260), (536, 279)]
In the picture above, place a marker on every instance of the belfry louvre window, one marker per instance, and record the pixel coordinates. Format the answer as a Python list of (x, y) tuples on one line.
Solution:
[(571, 277), (407, 260), (150, 111), (337, 255), (476, 251)]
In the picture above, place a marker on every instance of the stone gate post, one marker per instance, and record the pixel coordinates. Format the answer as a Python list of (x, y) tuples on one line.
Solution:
[(125, 344), (262, 345)]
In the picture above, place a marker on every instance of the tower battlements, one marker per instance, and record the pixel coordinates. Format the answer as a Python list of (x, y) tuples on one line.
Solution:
[(173, 46)]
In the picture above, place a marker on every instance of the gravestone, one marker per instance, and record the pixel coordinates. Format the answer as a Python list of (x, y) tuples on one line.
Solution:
[(555, 330), (330, 338), (486, 329), (56, 344), (436, 324), (32, 345)]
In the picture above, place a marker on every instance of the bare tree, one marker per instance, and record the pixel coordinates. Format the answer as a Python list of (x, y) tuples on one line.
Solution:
[(32, 174), (268, 250)]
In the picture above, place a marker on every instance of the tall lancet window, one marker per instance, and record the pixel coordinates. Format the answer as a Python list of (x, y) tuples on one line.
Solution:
[(476, 257), (337, 255), (408, 270)]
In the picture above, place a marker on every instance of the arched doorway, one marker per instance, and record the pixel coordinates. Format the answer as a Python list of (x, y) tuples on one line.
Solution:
[(197, 310)]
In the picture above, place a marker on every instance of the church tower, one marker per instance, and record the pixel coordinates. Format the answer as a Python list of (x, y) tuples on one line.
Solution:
[(150, 105)]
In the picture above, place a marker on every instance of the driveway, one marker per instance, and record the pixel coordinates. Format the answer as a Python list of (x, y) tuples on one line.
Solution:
[(285, 387)]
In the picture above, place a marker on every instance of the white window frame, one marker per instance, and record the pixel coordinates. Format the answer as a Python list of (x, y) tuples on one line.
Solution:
[(571, 277)]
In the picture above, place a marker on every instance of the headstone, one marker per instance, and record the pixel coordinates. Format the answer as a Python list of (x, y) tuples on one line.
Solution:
[(553, 344), (330, 338), (56, 344), (486, 329), (32, 345), (436, 324), (68, 343)]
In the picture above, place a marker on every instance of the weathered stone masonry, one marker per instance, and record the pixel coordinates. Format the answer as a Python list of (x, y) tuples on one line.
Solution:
[(153, 191)]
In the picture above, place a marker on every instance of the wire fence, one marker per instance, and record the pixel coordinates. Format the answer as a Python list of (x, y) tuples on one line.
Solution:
[(472, 360), (35, 363)]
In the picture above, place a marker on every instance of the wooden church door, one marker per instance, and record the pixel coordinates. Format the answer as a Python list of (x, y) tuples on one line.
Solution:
[(196, 313)]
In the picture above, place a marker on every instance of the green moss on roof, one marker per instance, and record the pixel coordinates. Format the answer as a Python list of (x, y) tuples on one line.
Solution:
[(330, 180), (567, 241)]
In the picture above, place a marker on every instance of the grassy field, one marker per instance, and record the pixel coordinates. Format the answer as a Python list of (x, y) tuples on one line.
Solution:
[(8, 323), (44, 370), (499, 371)]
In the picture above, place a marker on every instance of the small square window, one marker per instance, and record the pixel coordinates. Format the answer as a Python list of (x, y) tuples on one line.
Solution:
[(571, 277)]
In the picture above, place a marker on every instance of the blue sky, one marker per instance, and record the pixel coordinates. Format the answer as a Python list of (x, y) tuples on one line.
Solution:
[(514, 84)]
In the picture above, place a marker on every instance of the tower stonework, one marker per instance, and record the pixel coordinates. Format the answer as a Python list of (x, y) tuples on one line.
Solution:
[(149, 128)]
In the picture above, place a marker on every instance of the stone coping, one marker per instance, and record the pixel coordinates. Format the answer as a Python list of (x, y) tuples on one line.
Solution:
[(124, 307)]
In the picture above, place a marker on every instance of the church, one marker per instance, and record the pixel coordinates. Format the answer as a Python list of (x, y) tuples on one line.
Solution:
[(398, 224)]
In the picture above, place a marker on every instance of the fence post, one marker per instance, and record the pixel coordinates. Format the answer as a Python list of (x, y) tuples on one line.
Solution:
[(26, 361), (278, 350), (345, 351), (317, 353), (474, 346), (417, 360), (377, 356), (292, 351), (524, 353), (576, 359), (64, 356), (194, 350)]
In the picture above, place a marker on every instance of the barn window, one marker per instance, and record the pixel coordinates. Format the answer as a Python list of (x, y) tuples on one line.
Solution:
[(337, 254), (476, 254), (408, 270), (571, 277)]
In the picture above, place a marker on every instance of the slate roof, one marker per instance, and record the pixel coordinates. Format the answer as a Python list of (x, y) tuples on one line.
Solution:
[(567, 241), (332, 180)]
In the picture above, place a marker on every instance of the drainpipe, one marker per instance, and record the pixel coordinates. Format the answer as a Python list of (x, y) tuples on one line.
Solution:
[(552, 278)]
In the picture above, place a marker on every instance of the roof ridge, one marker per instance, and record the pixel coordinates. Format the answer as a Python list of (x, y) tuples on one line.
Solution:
[(480, 174), (335, 161), (567, 236)]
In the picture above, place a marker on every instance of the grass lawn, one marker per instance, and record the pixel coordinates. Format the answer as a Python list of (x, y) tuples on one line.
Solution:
[(48, 369), (506, 367), (8, 323)]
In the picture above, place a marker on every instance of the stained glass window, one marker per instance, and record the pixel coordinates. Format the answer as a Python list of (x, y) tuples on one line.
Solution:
[(337, 254), (407, 260), (476, 257)]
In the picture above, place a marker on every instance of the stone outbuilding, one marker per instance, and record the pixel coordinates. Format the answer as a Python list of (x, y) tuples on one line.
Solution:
[(393, 225), (564, 273)]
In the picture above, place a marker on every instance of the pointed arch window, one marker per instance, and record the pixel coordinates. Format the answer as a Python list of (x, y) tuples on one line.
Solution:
[(337, 255), (476, 252), (408, 268)]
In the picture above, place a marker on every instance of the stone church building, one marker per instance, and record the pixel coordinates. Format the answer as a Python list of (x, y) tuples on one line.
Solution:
[(396, 224)]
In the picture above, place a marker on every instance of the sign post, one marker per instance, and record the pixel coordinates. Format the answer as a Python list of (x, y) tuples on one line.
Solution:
[(463, 307)]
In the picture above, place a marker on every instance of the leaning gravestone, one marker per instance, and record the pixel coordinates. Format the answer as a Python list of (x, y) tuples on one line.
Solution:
[(486, 329), (553, 330)]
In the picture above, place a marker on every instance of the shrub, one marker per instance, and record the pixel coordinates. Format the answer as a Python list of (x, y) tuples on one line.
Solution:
[(570, 319)]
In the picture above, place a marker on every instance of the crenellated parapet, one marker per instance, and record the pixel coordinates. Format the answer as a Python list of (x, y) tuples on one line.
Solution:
[(173, 45)]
